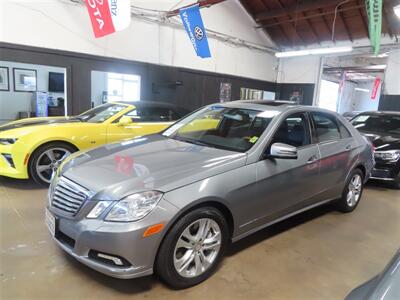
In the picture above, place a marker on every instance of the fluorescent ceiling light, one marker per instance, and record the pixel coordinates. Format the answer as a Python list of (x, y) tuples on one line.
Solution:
[(397, 10), (316, 51), (376, 67), (362, 90)]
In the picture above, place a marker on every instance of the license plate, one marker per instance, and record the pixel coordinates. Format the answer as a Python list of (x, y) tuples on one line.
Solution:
[(50, 221)]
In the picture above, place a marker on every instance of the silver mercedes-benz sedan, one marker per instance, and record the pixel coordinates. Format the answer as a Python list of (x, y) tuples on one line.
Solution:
[(171, 203)]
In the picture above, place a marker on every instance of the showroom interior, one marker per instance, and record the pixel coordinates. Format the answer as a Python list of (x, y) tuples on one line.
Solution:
[(62, 58)]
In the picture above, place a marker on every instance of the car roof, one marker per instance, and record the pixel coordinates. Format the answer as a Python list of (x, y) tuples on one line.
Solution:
[(379, 113), (262, 105)]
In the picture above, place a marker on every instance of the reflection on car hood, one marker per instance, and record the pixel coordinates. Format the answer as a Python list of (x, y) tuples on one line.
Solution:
[(383, 142), (154, 162), (36, 122)]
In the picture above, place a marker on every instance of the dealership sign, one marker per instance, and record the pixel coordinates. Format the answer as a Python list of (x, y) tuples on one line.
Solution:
[(108, 16), (193, 23)]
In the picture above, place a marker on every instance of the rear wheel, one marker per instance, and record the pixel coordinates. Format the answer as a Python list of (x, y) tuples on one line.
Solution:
[(193, 248), (46, 160), (352, 192)]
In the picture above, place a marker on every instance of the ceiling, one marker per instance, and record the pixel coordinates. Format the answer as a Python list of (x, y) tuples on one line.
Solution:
[(299, 23)]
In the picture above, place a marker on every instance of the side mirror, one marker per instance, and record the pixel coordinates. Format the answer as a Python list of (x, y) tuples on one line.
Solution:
[(124, 121), (284, 151)]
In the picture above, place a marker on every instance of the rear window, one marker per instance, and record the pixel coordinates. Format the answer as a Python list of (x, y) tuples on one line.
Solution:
[(377, 123)]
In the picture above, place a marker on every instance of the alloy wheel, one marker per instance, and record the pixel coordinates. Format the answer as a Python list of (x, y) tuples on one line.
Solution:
[(49, 161), (354, 190), (197, 248)]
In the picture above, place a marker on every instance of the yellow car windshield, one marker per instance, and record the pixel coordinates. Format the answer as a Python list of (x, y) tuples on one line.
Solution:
[(101, 113)]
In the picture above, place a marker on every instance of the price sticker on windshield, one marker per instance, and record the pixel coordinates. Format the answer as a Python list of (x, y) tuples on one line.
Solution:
[(253, 139)]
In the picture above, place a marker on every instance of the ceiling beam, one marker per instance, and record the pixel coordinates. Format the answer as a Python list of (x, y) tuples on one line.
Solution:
[(320, 14), (304, 5), (346, 26)]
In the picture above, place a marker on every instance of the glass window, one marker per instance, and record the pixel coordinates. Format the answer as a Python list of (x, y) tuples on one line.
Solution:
[(326, 127), (293, 131), (377, 123), (123, 87), (216, 126)]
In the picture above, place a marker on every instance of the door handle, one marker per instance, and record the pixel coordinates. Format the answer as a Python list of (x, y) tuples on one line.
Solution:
[(348, 147), (312, 159)]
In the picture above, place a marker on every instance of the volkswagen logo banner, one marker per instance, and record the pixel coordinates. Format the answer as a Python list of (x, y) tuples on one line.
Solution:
[(193, 23)]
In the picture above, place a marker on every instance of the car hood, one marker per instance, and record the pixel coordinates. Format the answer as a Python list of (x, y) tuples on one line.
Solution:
[(154, 162), (383, 142), (27, 125)]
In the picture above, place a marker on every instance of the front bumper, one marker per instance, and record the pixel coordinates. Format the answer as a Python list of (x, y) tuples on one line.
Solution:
[(81, 237), (19, 168), (387, 171)]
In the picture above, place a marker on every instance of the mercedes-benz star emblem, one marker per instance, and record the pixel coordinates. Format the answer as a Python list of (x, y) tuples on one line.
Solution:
[(198, 33)]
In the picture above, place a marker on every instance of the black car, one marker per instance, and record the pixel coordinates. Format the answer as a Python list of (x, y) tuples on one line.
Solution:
[(383, 130)]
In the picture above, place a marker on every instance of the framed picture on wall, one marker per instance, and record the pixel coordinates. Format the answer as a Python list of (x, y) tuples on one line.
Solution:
[(4, 82), (24, 80)]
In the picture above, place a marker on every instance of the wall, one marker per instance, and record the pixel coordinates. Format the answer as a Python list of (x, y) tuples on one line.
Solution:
[(12, 102), (184, 87), (98, 86), (390, 100), (305, 69), (61, 24), (362, 100)]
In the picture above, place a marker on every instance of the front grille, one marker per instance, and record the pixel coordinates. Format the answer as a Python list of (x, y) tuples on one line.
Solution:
[(68, 196)]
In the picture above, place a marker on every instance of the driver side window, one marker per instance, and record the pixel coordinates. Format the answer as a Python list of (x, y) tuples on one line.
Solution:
[(294, 131)]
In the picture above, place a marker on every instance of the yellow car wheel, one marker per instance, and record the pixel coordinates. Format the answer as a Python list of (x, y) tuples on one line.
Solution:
[(46, 160)]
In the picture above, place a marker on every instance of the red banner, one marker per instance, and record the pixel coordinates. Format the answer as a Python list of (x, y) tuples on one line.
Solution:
[(100, 16), (375, 88)]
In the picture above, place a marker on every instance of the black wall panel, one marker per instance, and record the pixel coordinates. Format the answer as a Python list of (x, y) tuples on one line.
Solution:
[(187, 88), (389, 102)]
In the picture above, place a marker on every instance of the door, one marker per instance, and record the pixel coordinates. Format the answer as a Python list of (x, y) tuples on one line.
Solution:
[(146, 119), (286, 185), (335, 146)]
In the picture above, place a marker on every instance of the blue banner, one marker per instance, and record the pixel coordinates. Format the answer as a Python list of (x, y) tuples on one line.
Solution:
[(193, 23)]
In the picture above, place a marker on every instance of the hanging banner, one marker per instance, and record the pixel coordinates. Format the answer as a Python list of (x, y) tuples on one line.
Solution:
[(108, 16), (375, 88), (193, 23)]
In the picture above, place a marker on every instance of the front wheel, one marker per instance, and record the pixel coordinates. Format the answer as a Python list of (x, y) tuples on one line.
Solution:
[(193, 248), (352, 192), (46, 160)]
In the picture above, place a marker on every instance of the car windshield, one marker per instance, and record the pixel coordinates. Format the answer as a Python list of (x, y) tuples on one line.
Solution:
[(377, 123), (234, 129), (101, 113)]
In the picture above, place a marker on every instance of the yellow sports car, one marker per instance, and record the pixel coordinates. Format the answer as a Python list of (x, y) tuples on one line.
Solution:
[(34, 148)]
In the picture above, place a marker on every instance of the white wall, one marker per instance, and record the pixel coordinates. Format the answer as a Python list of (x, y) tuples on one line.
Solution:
[(304, 69), (60, 24), (392, 74), (12, 102)]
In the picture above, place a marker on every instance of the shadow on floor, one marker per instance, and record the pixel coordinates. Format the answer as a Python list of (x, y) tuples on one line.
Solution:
[(22, 184)]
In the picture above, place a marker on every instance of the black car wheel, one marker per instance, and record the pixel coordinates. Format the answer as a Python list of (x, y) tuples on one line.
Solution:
[(193, 248)]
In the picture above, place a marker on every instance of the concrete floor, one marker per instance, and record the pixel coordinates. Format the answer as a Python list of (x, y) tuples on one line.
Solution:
[(320, 254)]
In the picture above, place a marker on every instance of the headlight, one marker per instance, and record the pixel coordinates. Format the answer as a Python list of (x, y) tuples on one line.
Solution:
[(391, 155), (134, 207), (8, 141)]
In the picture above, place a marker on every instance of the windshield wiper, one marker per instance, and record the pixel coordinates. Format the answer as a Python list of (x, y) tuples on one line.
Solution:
[(192, 141)]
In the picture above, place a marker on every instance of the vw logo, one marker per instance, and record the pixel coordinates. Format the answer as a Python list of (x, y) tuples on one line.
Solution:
[(198, 33)]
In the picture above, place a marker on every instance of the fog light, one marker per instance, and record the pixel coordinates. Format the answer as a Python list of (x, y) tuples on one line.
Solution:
[(114, 259)]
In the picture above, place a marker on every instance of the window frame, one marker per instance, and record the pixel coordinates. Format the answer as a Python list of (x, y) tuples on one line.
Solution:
[(267, 148)]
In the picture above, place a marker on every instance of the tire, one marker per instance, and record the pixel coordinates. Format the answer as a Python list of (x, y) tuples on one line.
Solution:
[(170, 256), (347, 203), (41, 158)]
